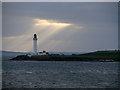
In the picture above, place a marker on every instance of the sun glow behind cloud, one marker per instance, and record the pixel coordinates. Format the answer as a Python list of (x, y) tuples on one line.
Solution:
[(42, 22)]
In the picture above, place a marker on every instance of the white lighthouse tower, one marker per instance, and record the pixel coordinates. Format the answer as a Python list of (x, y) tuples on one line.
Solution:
[(35, 44)]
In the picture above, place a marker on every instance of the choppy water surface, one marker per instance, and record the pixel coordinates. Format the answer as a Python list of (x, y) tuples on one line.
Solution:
[(51, 74)]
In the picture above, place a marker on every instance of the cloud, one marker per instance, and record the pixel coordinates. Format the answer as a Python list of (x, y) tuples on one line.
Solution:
[(43, 28), (64, 26)]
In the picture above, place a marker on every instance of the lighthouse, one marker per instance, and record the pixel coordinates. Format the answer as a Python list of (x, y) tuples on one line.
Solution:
[(35, 44)]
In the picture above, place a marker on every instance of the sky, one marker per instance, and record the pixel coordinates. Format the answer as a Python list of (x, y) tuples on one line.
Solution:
[(60, 27), (60, 0)]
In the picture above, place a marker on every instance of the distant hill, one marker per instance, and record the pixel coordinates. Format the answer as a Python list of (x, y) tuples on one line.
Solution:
[(67, 53), (8, 54)]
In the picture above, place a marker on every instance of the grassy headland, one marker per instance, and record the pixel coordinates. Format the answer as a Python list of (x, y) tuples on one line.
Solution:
[(92, 56)]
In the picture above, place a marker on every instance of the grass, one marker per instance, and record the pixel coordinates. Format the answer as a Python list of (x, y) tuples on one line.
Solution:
[(102, 55)]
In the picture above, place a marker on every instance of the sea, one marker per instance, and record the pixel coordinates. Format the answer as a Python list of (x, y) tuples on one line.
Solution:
[(59, 74)]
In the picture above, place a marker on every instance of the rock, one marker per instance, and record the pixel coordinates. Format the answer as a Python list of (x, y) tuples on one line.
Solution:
[(35, 86)]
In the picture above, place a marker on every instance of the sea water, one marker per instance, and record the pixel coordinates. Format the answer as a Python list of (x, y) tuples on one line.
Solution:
[(60, 74)]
